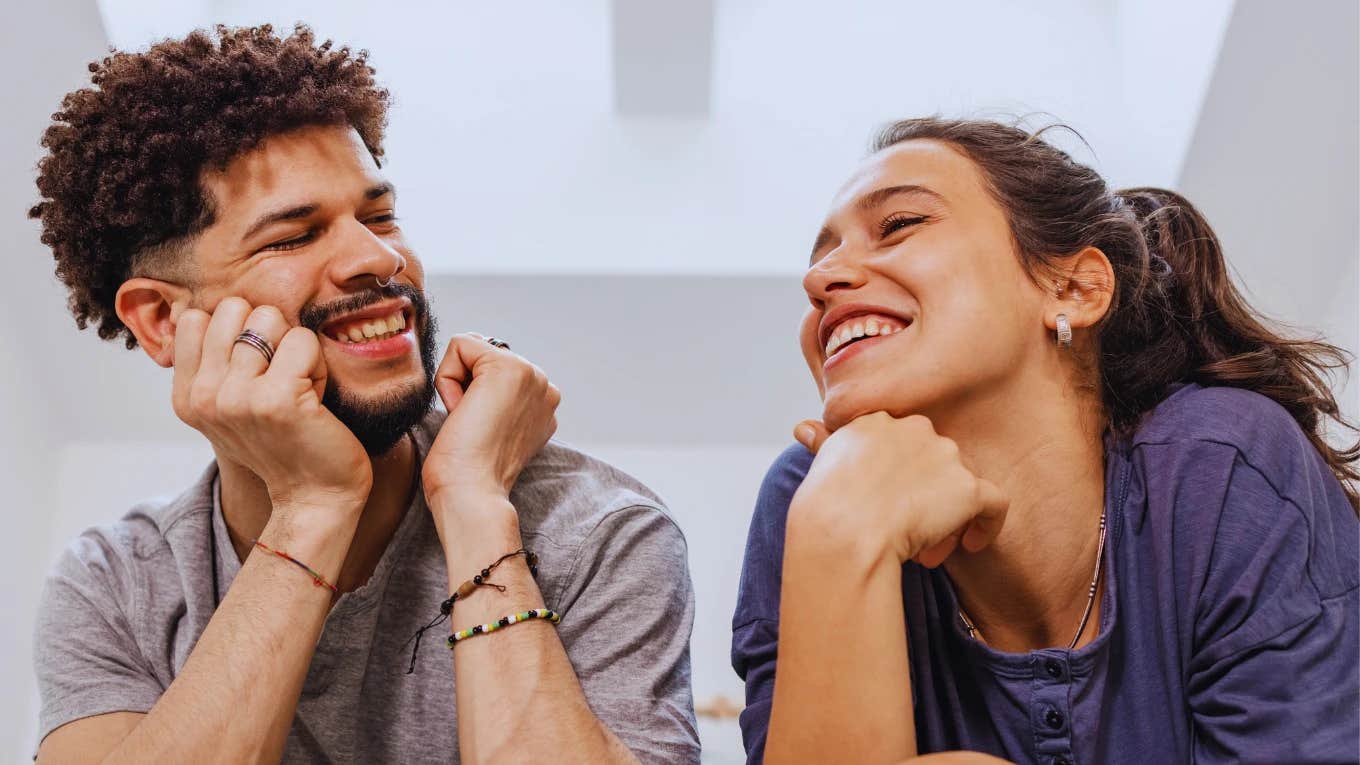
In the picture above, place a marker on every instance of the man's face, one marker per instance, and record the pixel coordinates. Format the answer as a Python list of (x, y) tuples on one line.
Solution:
[(307, 223)]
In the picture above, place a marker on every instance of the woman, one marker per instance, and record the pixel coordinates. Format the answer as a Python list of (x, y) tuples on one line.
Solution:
[(1070, 500)]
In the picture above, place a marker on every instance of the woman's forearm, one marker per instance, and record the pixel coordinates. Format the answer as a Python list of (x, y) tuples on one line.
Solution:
[(842, 689)]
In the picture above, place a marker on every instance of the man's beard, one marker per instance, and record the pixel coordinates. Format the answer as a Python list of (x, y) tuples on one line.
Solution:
[(380, 423)]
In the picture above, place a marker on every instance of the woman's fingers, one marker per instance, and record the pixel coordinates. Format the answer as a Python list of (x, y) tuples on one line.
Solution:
[(983, 529), (811, 434)]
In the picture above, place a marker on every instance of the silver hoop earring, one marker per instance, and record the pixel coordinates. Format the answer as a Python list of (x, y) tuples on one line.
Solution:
[(1064, 331)]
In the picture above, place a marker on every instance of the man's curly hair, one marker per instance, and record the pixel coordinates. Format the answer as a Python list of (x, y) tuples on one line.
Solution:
[(121, 182)]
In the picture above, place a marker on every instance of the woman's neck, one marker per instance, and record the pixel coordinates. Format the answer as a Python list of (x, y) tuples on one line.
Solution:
[(246, 509), (1042, 445)]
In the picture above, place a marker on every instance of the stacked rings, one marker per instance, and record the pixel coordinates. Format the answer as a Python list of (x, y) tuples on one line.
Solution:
[(255, 340)]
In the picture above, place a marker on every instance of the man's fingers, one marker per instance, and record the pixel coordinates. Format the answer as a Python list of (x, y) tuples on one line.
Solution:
[(298, 356), (811, 434), (189, 330), (227, 319), (246, 361), (465, 353)]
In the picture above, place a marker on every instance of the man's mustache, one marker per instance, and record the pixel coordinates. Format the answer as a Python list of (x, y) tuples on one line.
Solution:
[(313, 317)]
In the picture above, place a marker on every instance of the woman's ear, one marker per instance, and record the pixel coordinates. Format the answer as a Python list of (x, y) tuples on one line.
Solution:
[(150, 308), (1082, 290)]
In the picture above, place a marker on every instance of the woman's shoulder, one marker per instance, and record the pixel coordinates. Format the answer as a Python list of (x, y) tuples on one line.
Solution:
[(1244, 489), (1199, 429), (781, 482), (1232, 416)]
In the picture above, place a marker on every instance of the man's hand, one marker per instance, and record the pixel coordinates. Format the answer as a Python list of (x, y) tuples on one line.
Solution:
[(267, 415), (501, 413)]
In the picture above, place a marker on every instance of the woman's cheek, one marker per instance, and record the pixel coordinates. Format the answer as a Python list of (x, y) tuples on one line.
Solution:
[(812, 349)]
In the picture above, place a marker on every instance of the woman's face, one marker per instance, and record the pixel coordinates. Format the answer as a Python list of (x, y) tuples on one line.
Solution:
[(919, 301)]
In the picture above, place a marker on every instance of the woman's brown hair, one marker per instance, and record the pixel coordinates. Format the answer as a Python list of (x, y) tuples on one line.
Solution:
[(1175, 315)]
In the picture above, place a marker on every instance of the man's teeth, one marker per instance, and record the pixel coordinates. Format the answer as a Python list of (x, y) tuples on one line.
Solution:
[(372, 329), (854, 329)]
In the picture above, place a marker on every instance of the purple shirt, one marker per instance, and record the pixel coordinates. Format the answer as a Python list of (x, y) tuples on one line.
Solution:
[(1229, 629)]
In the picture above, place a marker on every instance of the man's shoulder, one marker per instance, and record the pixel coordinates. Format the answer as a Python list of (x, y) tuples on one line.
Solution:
[(119, 554), (565, 492)]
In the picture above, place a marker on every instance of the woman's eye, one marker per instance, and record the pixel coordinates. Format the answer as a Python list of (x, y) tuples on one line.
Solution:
[(899, 222), (384, 219), (290, 244)]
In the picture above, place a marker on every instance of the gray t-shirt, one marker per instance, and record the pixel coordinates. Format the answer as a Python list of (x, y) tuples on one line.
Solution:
[(126, 603)]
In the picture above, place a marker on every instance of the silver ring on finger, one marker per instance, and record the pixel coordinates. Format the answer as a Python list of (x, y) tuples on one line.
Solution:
[(255, 340), (499, 343)]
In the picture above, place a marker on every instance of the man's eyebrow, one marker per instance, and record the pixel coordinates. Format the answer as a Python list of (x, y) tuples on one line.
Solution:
[(879, 196), (375, 192), (290, 213), (302, 211)]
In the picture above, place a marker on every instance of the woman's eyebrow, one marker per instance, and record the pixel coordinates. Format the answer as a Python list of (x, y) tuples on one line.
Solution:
[(879, 196), (868, 202)]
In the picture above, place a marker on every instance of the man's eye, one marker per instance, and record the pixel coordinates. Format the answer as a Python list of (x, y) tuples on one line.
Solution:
[(290, 244), (898, 222)]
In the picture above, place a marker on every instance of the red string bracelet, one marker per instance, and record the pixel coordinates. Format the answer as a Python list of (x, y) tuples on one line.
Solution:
[(317, 579)]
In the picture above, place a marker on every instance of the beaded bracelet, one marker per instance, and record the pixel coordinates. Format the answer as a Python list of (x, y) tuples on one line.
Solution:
[(317, 579), (465, 589), (505, 621)]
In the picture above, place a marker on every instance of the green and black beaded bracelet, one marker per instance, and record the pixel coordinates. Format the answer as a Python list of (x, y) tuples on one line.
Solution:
[(505, 621)]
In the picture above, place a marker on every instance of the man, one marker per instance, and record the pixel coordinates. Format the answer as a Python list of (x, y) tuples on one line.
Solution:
[(218, 201)]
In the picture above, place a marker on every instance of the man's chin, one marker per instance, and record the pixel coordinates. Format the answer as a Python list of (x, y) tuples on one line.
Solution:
[(380, 422)]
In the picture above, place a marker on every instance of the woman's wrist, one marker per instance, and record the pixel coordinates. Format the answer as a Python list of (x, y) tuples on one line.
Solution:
[(822, 530)]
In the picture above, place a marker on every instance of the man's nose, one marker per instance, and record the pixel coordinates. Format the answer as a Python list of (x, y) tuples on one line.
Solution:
[(363, 255)]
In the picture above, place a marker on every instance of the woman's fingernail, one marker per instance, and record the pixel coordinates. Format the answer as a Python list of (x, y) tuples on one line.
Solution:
[(806, 434)]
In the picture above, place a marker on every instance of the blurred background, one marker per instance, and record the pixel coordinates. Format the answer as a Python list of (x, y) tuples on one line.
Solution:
[(627, 190)]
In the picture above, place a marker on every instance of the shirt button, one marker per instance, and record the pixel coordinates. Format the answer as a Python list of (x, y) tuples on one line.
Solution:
[(1054, 669), (1053, 718)]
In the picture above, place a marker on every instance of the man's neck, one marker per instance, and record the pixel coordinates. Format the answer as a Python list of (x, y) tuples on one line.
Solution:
[(1029, 588), (246, 509)]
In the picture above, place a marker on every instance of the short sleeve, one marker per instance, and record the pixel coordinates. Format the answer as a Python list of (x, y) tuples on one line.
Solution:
[(86, 658), (1273, 673), (628, 613), (755, 625)]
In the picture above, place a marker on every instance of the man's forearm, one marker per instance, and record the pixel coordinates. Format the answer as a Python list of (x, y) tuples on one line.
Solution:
[(235, 698), (518, 697), (842, 681)]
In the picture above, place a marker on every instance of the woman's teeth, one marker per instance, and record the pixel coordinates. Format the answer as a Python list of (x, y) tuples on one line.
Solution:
[(371, 330), (861, 327)]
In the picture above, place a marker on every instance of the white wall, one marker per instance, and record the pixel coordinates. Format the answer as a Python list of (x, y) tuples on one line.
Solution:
[(49, 43), (1273, 164), (511, 159)]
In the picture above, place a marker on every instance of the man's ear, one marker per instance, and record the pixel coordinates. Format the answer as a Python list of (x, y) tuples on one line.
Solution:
[(1083, 290), (150, 308)]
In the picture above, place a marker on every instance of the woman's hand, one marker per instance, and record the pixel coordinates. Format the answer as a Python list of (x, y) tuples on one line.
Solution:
[(501, 413), (266, 415), (896, 482)]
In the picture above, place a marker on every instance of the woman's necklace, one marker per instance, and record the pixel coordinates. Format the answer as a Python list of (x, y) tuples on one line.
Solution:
[(1090, 596)]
